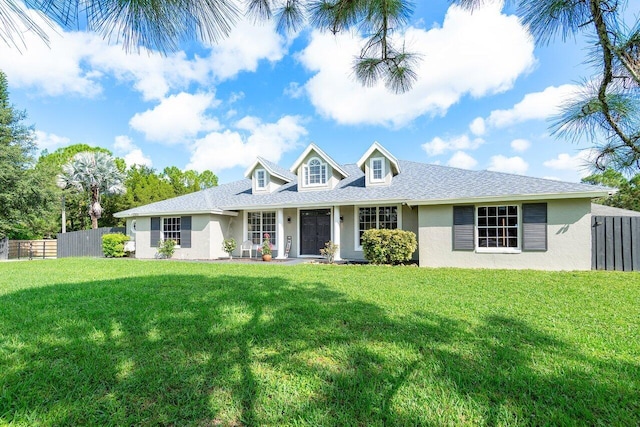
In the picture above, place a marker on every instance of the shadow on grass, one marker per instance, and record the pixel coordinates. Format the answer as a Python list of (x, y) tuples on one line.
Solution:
[(235, 350)]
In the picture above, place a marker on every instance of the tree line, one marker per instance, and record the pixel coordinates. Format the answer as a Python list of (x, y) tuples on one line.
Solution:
[(32, 202)]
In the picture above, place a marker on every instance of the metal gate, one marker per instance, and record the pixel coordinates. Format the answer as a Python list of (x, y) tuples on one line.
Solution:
[(615, 243)]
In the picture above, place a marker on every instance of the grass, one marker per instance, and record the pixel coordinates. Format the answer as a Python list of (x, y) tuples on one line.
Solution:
[(125, 342)]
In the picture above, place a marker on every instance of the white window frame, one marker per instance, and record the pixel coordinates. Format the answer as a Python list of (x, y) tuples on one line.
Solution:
[(499, 250), (356, 221), (324, 171), (273, 234), (264, 178), (372, 177), (162, 230)]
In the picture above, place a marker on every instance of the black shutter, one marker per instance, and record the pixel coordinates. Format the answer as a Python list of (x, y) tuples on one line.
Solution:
[(155, 231), (185, 232), (463, 225), (534, 227)]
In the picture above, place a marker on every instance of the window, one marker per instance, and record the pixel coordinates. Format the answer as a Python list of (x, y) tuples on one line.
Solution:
[(261, 178), (315, 172), (377, 169), (498, 227), (171, 229), (259, 223), (384, 217)]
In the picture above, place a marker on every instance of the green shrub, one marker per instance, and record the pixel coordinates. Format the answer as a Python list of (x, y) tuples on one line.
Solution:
[(388, 246), (166, 248), (329, 251), (229, 245), (113, 245)]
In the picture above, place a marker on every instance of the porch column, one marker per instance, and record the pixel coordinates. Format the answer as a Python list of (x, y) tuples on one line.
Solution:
[(280, 233), (336, 231)]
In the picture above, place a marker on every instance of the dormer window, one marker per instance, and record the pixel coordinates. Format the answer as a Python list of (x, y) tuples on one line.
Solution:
[(315, 172), (377, 169), (261, 179)]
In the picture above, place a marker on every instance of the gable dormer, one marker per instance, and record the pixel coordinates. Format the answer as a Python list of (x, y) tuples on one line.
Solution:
[(316, 170), (266, 177), (379, 166)]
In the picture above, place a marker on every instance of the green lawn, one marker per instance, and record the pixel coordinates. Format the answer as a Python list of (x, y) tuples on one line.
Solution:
[(125, 342)]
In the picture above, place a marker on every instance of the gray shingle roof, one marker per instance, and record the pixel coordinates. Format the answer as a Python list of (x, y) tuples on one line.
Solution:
[(417, 183), (276, 170)]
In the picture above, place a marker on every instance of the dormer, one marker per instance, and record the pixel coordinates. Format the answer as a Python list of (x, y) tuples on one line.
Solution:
[(316, 170), (379, 166), (266, 177)]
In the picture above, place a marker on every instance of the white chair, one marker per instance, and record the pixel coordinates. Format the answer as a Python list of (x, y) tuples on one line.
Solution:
[(246, 246)]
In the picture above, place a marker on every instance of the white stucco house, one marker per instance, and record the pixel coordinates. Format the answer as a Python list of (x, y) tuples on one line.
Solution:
[(462, 218)]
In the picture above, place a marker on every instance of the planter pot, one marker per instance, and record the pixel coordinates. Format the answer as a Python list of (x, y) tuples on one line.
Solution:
[(266, 257)]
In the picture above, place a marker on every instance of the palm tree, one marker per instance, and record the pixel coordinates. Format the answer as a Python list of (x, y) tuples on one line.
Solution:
[(93, 173)]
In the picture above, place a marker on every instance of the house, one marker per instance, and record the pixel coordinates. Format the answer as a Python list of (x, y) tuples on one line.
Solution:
[(462, 218)]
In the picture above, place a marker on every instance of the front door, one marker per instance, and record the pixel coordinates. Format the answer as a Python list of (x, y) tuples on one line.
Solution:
[(315, 230)]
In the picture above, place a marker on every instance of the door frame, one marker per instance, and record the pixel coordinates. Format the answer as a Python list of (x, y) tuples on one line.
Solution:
[(299, 237)]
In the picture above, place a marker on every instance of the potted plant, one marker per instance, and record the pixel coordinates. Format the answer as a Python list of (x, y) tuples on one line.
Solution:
[(266, 248), (229, 245)]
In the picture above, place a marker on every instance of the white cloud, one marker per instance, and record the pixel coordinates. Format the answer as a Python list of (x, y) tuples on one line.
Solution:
[(438, 145), (520, 145), (227, 149), (477, 126), (294, 90), (177, 118), (458, 58), (124, 147), (534, 106), (502, 163), (50, 141), (76, 62), (462, 160), (579, 162), (246, 45)]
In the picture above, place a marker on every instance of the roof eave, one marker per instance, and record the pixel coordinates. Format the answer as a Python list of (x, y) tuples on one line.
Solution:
[(514, 197), (124, 214)]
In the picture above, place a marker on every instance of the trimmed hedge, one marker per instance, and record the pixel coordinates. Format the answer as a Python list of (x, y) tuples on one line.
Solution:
[(113, 245), (388, 246)]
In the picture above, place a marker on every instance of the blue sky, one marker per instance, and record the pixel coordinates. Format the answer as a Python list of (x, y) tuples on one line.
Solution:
[(483, 99)]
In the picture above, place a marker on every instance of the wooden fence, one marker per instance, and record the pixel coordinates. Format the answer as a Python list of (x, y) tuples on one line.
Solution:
[(30, 249), (615, 243), (84, 243)]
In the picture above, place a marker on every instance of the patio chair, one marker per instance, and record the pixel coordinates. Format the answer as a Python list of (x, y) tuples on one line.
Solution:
[(246, 246)]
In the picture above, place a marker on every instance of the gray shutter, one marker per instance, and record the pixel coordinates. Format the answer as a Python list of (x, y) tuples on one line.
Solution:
[(463, 225), (534, 227), (155, 231), (185, 232)]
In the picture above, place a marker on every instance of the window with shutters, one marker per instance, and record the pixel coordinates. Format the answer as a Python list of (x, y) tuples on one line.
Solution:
[(171, 229), (498, 227)]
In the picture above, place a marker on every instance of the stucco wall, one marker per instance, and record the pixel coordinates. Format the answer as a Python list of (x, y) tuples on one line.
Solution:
[(568, 234), (348, 230), (207, 233)]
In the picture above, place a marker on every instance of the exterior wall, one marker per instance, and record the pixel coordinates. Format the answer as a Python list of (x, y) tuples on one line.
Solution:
[(348, 230), (387, 169), (291, 229), (568, 237), (207, 234)]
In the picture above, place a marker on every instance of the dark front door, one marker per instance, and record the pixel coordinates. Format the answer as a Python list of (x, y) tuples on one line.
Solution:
[(315, 230)]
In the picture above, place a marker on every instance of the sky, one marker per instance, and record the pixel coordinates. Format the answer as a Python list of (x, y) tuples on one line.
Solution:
[(484, 97)]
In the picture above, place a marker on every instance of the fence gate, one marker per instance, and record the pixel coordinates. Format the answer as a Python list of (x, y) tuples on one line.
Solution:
[(4, 248), (615, 243)]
